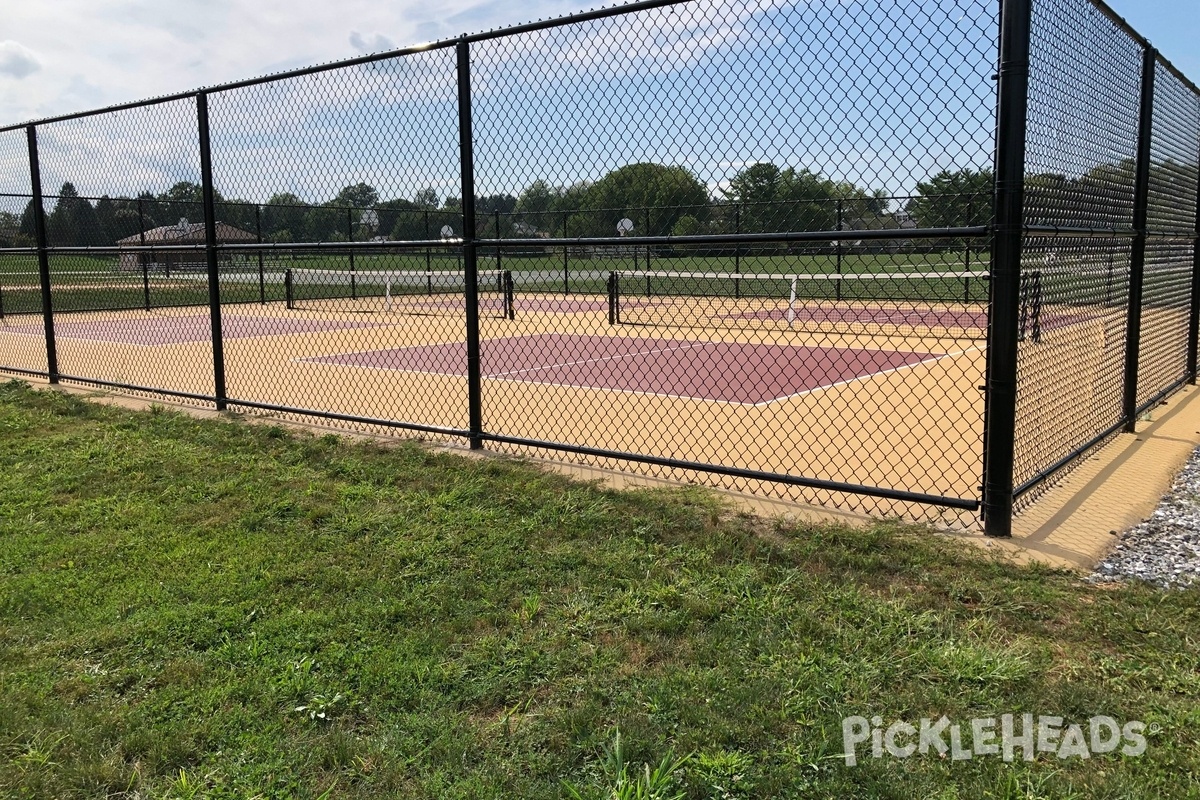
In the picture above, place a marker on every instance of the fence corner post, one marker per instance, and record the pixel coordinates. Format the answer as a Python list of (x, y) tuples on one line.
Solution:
[(39, 222), (1137, 255), (1194, 313), (999, 437), (469, 252), (210, 251)]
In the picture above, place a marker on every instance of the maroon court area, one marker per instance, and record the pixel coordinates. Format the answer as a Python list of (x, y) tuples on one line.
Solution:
[(154, 330), (723, 371)]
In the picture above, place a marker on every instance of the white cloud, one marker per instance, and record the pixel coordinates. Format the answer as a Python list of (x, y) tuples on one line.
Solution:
[(17, 61), (374, 44), (133, 49)]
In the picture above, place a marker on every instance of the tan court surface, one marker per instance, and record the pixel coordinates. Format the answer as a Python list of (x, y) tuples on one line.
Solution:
[(915, 427)]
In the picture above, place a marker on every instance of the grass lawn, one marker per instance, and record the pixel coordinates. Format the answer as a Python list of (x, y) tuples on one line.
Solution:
[(83, 283), (212, 609)]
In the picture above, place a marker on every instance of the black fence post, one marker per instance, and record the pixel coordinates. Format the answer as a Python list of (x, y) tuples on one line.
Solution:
[(39, 222), (566, 257), (143, 257), (142, 260), (350, 238), (262, 278), (999, 444), (499, 264), (840, 217), (967, 242), (210, 251), (737, 253), (1194, 315), (428, 252), (1137, 255), (469, 254), (648, 233)]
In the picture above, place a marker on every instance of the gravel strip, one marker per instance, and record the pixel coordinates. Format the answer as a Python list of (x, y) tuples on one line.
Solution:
[(1164, 549)]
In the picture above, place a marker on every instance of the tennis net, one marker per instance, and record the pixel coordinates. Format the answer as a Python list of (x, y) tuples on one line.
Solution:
[(418, 292), (918, 302)]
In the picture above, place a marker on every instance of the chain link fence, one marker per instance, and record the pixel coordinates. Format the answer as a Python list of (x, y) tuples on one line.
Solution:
[(905, 258)]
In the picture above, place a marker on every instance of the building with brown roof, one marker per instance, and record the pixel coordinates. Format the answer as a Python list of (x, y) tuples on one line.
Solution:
[(138, 251)]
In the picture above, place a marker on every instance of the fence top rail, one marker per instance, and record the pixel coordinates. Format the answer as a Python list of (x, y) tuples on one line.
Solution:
[(802, 276), (441, 44)]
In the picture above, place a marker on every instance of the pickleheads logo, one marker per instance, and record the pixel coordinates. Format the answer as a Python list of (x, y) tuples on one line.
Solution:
[(992, 736)]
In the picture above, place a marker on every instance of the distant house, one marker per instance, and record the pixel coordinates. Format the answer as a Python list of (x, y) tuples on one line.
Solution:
[(138, 253), (897, 220)]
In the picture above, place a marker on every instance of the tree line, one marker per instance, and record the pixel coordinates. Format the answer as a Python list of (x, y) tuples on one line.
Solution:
[(658, 199)]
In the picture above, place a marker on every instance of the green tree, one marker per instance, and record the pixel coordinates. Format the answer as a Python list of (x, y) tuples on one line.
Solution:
[(10, 229), (952, 199), (402, 219), (106, 212), (770, 199), (427, 198), (284, 213), (535, 204), (324, 224), (184, 200), (688, 225), (73, 221), (360, 195), (757, 183), (238, 213), (668, 193)]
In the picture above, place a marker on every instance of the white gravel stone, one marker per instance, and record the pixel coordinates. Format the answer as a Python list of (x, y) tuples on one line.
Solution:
[(1164, 549)]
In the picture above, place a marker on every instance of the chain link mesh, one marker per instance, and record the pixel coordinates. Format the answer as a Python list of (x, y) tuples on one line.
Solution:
[(1084, 88), (354, 155), (743, 242), (794, 119), (112, 181), (1171, 221), (20, 296)]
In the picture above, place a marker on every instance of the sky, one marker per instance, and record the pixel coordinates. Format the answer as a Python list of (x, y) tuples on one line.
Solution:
[(61, 56)]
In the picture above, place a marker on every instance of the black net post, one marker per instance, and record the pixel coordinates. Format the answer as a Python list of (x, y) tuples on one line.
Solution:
[(1000, 420), (469, 253), (210, 251), (1137, 257), (1194, 313), (288, 295), (612, 298), (39, 222), (262, 278), (510, 302)]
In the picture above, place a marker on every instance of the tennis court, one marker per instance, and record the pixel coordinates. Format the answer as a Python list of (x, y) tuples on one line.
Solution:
[(777, 374)]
